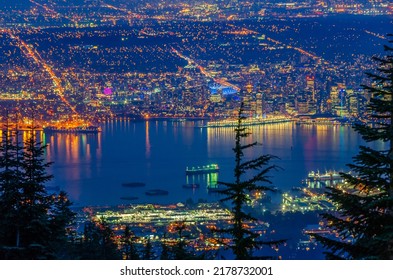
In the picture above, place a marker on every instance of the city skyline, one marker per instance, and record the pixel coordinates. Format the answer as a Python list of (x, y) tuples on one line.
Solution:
[(155, 69)]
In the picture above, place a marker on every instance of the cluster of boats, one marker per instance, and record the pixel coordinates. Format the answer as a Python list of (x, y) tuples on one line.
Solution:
[(196, 170)]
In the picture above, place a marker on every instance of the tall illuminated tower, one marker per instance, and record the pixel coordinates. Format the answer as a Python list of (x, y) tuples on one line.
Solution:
[(259, 104), (310, 85)]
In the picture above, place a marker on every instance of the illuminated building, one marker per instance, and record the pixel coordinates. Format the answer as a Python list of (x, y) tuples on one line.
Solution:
[(259, 104), (334, 96), (302, 106), (215, 98), (353, 104), (310, 86)]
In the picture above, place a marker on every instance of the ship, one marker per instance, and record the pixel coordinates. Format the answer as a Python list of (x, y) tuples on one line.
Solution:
[(319, 180), (156, 192), (133, 184), (205, 169), (191, 186), (78, 129)]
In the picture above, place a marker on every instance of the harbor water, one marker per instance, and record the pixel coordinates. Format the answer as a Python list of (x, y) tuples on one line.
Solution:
[(91, 168)]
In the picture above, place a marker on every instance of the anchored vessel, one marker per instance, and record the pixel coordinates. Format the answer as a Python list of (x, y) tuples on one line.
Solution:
[(318, 180), (205, 169)]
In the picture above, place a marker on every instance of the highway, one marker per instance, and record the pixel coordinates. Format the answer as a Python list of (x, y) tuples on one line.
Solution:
[(30, 52), (204, 71)]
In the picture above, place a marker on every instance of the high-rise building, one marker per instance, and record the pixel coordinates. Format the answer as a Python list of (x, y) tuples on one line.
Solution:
[(302, 106), (334, 96), (353, 105), (259, 104), (310, 86)]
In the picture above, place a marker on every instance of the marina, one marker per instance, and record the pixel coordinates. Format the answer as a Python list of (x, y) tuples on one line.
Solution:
[(312, 196)]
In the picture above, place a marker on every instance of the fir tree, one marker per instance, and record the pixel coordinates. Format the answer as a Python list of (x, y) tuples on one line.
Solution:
[(89, 249), (165, 251), (98, 242), (180, 251), (10, 186), (33, 224), (128, 241), (244, 240), (61, 219), (147, 251), (364, 221), (36, 203), (108, 242)]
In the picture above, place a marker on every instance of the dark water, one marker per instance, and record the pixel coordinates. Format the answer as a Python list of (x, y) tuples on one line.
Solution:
[(91, 168)]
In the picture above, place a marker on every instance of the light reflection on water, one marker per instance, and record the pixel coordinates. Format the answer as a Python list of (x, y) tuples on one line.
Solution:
[(91, 168)]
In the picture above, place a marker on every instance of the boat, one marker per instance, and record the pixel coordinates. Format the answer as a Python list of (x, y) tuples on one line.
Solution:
[(78, 129), (319, 180), (133, 184), (205, 169), (156, 192), (129, 197), (191, 186)]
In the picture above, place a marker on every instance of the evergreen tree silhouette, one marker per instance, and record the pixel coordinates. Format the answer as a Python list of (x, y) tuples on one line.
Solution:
[(244, 240), (364, 221)]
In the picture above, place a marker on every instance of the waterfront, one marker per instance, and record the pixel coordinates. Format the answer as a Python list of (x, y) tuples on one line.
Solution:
[(92, 168)]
